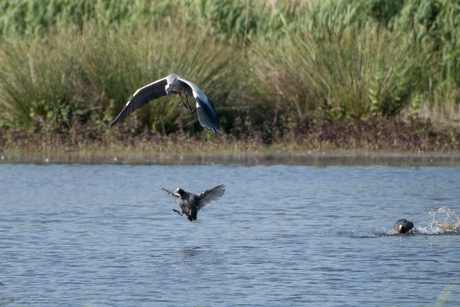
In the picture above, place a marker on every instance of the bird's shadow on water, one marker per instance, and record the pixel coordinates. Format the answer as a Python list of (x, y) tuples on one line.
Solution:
[(192, 251)]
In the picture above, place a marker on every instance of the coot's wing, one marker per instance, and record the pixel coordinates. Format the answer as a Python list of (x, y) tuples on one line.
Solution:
[(210, 196), (173, 195)]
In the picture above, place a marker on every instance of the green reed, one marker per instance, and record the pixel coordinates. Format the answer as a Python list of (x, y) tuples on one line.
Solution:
[(354, 74), (71, 75), (66, 64)]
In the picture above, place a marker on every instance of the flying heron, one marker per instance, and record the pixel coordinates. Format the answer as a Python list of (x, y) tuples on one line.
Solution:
[(403, 226), (173, 84), (192, 203)]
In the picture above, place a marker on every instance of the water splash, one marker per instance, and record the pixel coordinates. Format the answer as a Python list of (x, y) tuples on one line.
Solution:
[(444, 221), (451, 222)]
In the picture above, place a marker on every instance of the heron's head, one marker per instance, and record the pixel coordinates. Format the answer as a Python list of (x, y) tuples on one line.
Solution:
[(180, 191), (168, 88)]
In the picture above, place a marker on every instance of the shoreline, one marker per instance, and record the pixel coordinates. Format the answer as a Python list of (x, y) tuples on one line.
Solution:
[(249, 158)]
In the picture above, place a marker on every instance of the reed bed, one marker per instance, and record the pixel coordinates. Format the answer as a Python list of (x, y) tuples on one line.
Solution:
[(71, 76), (68, 67)]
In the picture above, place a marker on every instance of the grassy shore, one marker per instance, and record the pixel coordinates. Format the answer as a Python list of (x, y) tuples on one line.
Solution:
[(284, 76), (374, 134)]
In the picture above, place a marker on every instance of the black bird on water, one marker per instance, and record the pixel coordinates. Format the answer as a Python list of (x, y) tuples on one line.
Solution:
[(192, 203), (403, 226)]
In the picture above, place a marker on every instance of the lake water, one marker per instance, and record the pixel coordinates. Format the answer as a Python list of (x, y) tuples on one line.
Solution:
[(100, 235)]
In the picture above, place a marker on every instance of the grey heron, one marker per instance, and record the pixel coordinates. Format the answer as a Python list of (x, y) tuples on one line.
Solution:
[(403, 226), (192, 203), (173, 84)]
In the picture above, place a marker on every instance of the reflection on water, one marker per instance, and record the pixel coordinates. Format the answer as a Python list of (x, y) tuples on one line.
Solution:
[(191, 252), (106, 235)]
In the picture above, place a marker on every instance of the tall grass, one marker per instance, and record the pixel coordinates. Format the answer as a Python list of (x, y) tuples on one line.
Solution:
[(69, 76), (66, 64), (435, 26), (229, 20), (355, 74), (31, 84)]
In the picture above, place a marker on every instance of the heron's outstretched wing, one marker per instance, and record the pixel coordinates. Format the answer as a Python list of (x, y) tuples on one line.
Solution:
[(210, 196), (207, 115), (205, 109), (141, 97), (173, 195)]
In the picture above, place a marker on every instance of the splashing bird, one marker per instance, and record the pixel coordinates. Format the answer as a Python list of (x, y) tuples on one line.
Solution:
[(173, 84), (403, 226), (192, 203)]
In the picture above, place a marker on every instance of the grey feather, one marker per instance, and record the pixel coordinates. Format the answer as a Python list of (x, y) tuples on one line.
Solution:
[(209, 197), (140, 98), (172, 194), (172, 84)]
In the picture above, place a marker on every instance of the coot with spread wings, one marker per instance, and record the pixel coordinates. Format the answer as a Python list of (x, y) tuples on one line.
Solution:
[(192, 203)]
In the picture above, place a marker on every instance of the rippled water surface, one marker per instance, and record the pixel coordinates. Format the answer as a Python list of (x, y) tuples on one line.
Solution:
[(99, 235)]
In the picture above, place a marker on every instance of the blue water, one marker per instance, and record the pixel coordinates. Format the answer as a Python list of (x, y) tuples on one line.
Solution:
[(100, 235)]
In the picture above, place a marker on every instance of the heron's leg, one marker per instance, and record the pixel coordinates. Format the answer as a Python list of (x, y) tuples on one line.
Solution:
[(182, 99), (192, 110), (178, 212), (188, 103), (188, 106)]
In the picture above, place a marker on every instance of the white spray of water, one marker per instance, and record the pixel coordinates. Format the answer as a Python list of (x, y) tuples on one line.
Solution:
[(444, 220)]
